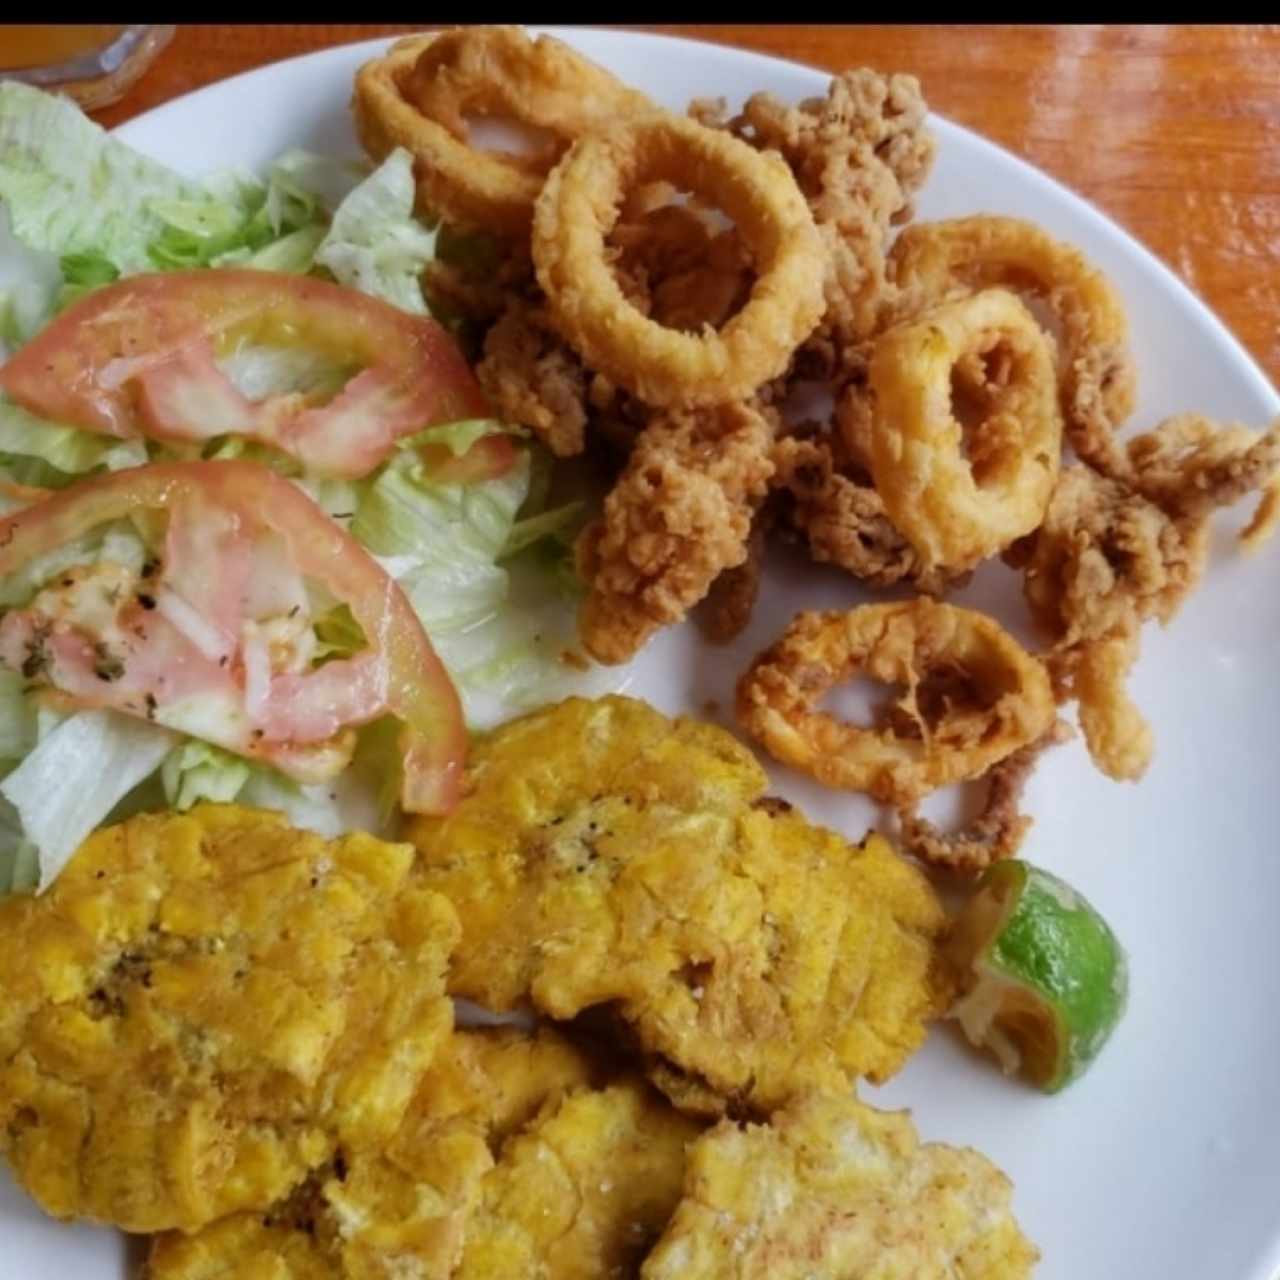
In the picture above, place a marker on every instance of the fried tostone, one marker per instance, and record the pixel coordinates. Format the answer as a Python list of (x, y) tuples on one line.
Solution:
[(511, 1162), (604, 854), (836, 1189), (204, 1005)]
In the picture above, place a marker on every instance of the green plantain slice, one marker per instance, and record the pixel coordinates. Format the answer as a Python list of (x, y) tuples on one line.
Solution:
[(1043, 979)]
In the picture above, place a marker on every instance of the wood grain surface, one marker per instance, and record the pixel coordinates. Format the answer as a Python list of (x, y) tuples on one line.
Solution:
[(1173, 130)]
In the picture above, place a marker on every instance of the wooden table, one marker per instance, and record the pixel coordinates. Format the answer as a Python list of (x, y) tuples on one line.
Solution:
[(1173, 130)]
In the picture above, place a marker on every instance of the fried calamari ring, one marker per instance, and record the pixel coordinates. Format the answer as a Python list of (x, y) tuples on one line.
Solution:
[(959, 497), (419, 95), (998, 831), (973, 696), (933, 261), (578, 208)]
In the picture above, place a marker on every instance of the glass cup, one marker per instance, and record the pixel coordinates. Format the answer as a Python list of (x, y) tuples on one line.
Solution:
[(94, 64)]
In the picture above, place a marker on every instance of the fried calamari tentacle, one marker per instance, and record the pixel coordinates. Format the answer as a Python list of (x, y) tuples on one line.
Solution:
[(966, 432), (733, 595), (934, 261), (679, 515), (858, 155), (420, 94), (972, 697), (998, 831), (1112, 554), (843, 518), (534, 379), (1190, 466), (475, 276), (664, 366), (1106, 559), (1119, 739)]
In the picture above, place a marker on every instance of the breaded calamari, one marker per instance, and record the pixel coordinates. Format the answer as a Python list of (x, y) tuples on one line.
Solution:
[(831, 502), (517, 1158), (832, 1188), (679, 515), (604, 854), (1113, 553), (534, 378), (859, 155), (203, 1006)]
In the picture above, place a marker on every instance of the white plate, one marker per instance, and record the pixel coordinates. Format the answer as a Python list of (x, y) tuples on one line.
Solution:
[(1164, 1162)]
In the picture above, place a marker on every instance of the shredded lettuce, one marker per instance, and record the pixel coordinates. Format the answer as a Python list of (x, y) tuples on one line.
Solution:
[(195, 771), (556, 523), (486, 564), (86, 209), (276, 225), (259, 371), (19, 859), (30, 280), (338, 634), (441, 541), (88, 270), (375, 244), (75, 776), (313, 181), (499, 620), (293, 252), (348, 803), (17, 718), (72, 188), (48, 456)]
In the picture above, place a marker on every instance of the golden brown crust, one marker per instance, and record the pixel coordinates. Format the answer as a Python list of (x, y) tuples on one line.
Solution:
[(832, 1187), (417, 1205), (972, 696), (1113, 553), (606, 854), (859, 154), (678, 516), (962, 491), (579, 206), (418, 94), (998, 831), (933, 261), (203, 1006)]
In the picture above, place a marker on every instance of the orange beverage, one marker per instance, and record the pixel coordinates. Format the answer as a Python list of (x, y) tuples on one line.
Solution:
[(94, 63), (25, 46)]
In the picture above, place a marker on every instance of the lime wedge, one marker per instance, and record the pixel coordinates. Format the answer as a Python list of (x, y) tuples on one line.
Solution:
[(1043, 979)]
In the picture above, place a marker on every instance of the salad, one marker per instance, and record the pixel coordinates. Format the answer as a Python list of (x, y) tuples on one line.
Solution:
[(262, 538)]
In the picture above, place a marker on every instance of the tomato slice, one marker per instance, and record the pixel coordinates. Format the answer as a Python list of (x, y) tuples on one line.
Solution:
[(139, 357), (216, 639)]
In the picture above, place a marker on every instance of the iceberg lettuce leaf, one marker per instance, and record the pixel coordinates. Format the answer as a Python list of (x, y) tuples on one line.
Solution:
[(67, 786), (375, 243)]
